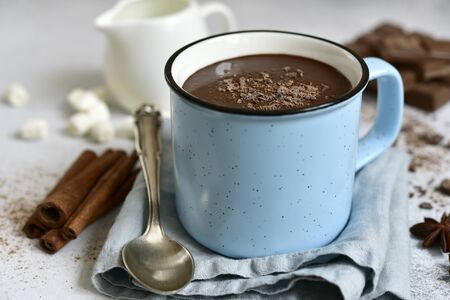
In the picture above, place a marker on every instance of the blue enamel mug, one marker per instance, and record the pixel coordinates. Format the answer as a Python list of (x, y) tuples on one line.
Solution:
[(255, 183)]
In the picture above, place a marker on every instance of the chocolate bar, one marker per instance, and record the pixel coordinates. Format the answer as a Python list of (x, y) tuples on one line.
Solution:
[(423, 62), (409, 78), (402, 49), (429, 95), (438, 49), (388, 29), (433, 69), (362, 49)]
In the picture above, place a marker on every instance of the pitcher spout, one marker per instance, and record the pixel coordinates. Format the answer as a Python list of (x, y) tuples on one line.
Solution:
[(105, 20)]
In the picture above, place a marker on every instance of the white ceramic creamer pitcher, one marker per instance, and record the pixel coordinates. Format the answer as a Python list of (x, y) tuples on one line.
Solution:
[(141, 35)]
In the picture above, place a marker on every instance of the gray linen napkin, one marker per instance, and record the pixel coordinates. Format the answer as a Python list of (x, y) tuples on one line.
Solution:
[(369, 259)]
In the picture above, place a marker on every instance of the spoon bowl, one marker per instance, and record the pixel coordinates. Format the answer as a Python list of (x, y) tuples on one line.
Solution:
[(162, 266)]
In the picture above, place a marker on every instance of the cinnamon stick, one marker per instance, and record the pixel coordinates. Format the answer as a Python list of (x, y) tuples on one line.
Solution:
[(101, 199), (53, 240), (59, 206), (121, 193), (85, 158), (34, 228)]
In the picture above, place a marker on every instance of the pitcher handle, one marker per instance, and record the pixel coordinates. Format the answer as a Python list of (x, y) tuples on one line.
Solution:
[(389, 111), (208, 9)]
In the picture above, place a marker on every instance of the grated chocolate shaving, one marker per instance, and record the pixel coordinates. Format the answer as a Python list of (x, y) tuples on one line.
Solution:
[(260, 90)]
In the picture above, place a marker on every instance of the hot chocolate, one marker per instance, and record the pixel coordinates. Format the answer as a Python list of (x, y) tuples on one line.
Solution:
[(269, 82)]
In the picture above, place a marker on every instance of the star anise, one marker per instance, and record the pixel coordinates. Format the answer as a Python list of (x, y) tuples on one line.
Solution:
[(431, 230)]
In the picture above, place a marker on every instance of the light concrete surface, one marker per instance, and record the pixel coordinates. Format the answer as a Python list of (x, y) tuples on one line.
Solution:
[(51, 47)]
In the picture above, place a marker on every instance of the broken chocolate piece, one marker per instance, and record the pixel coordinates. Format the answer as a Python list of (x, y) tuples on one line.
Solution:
[(403, 49), (409, 77), (371, 39), (424, 38), (403, 42), (444, 187), (428, 96), (423, 62), (362, 49), (438, 49), (425, 205), (388, 29), (433, 68)]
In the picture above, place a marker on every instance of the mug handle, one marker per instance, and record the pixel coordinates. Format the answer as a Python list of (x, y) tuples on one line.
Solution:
[(389, 111), (208, 9)]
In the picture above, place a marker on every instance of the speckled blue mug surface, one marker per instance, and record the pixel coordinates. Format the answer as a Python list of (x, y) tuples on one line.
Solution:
[(261, 184)]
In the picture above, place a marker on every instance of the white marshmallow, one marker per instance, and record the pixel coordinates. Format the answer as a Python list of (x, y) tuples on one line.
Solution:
[(16, 95), (34, 129), (80, 123), (102, 132), (99, 112), (75, 95), (82, 101), (125, 129)]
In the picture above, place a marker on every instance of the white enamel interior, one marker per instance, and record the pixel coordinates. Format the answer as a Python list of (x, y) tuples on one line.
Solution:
[(250, 43)]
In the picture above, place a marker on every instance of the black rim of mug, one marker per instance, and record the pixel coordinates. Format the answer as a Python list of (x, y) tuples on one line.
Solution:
[(243, 111)]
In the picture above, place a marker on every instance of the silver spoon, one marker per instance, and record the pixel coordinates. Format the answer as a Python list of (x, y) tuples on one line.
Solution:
[(159, 264)]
